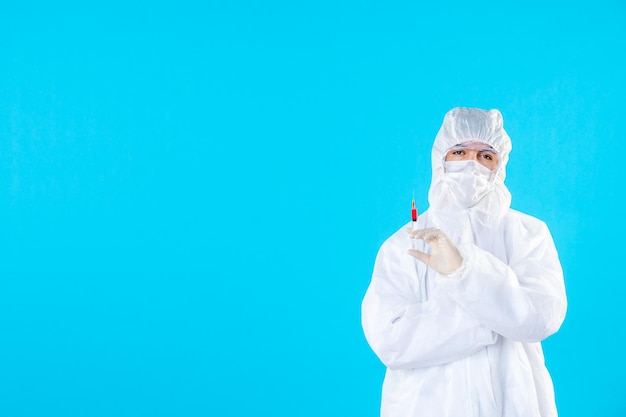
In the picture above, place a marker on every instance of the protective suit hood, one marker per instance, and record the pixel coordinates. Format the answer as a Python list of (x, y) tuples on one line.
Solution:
[(470, 125)]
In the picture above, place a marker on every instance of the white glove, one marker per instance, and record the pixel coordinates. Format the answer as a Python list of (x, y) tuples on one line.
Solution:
[(444, 257)]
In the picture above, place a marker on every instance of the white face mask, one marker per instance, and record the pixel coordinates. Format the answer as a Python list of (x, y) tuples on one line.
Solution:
[(468, 167), (464, 184)]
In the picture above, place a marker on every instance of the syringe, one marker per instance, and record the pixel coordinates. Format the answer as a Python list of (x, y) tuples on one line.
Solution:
[(413, 215)]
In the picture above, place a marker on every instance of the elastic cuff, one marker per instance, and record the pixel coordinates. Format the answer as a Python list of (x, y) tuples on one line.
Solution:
[(467, 253)]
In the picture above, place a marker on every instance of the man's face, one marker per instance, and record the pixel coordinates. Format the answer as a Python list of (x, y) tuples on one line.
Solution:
[(474, 151)]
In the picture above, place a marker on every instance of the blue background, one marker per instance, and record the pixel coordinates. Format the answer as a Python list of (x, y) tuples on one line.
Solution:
[(192, 194)]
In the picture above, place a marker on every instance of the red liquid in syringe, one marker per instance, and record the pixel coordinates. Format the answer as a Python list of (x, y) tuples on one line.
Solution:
[(413, 215)]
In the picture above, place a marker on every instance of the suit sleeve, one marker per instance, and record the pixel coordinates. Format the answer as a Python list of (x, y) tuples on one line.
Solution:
[(406, 332), (523, 300)]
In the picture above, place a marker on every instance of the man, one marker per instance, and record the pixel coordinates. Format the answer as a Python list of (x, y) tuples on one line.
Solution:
[(457, 309)]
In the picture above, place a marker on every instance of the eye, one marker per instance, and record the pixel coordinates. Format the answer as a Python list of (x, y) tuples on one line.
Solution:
[(487, 156), (458, 152)]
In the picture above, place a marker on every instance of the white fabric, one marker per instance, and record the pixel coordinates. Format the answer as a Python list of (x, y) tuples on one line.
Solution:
[(465, 184), (468, 344)]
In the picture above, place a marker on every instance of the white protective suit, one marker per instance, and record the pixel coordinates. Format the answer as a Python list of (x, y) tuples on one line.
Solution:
[(468, 343)]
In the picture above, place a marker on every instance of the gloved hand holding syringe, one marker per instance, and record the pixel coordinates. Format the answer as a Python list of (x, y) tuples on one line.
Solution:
[(444, 257)]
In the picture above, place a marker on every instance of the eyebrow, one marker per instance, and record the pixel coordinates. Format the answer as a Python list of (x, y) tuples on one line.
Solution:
[(460, 147)]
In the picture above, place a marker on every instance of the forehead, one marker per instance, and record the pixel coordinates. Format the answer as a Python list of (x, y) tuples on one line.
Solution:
[(478, 146)]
